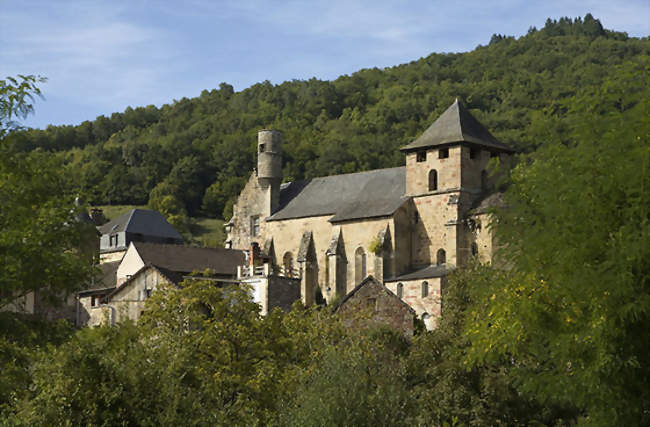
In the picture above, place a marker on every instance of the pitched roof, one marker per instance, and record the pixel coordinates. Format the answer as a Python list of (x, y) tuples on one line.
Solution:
[(142, 221), (371, 280), (107, 276), (349, 196), (484, 205), (186, 259), (456, 124)]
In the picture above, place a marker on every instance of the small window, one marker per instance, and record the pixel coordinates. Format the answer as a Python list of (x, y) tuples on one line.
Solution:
[(426, 318), (261, 148), (484, 180), (421, 156), (494, 154), (416, 217), (473, 153), (443, 153), (474, 249), (94, 301), (372, 304), (441, 257), (433, 180), (255, 226), (400, 290), (425, 289), (287, 263)]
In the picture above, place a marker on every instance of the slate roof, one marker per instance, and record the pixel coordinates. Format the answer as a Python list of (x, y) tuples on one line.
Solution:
[(371, 280), (456, 124), (170, 259), (493, 200), (358, 195), (142, 221), (428, 272), (107, 275)]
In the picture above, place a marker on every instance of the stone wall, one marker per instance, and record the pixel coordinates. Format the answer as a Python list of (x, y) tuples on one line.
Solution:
[(111, 256), (89, 315), (412, 295), (282, 292), (372, 305), (128, 303), (287, 235), (253, 201)]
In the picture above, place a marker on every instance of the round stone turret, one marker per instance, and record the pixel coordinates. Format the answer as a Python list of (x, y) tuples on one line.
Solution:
[(269, 154)]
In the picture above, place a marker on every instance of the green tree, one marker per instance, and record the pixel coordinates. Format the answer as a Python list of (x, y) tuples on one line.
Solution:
[(40, 238), (573, 312)]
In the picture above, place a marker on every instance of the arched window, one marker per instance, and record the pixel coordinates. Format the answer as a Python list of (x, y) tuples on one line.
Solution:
[(425, 289), (359, 265), (287, 264), (433, 180), (474, 249), (426, 318), (400, 290), (441, 257)]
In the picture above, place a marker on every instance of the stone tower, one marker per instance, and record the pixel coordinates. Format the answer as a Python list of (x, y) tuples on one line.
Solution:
[(269, 166), (445, 174)]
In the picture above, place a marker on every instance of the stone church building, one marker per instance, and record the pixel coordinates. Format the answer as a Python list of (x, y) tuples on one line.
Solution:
[(407, 226)]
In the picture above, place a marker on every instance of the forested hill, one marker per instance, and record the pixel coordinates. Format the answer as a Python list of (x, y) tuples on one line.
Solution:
[(195, 154)]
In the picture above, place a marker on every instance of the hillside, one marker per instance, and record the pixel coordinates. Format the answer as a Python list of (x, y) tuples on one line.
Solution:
[(192, 157)]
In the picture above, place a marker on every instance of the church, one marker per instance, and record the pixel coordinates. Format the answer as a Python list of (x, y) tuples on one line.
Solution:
[(406, 226)]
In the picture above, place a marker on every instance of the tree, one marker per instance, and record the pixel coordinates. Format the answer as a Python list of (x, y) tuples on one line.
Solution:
[(40, 237), (573, 312), (16, 96)]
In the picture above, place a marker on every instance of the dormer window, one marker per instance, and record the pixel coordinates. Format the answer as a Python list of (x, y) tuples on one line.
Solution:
[(421, 156), (443, 153)]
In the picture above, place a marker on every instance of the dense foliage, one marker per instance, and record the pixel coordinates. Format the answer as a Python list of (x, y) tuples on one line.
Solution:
[(573, 310), (40, 238), (200, 151), (557, 337)]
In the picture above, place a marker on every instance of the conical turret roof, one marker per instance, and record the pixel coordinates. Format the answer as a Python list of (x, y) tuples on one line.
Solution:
[(455, 125)]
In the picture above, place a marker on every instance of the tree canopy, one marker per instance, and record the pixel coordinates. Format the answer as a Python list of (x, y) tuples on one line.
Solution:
[(356, 122)]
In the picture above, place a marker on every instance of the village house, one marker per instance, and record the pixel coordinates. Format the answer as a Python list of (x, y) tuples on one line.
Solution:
[(371, 304), (407, 226), (144, 268)]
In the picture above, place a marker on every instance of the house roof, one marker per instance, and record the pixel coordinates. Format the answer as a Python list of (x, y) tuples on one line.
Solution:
[(350, 196), (186, 259), (483, 205), (428, 272), (107, 275), (371, 280), (455, 125), (142, 221)]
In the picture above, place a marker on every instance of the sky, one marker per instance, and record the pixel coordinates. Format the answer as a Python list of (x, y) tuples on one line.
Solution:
[(102, 56)]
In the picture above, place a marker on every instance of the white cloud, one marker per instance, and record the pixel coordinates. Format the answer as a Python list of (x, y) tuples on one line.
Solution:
[(110, 54)]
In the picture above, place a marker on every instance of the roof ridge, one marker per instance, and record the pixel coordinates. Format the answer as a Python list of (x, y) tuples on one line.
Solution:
[(342, 174), (128, 221), (182, 245)]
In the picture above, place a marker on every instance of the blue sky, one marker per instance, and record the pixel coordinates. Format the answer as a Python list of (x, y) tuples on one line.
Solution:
[(102, 56)]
